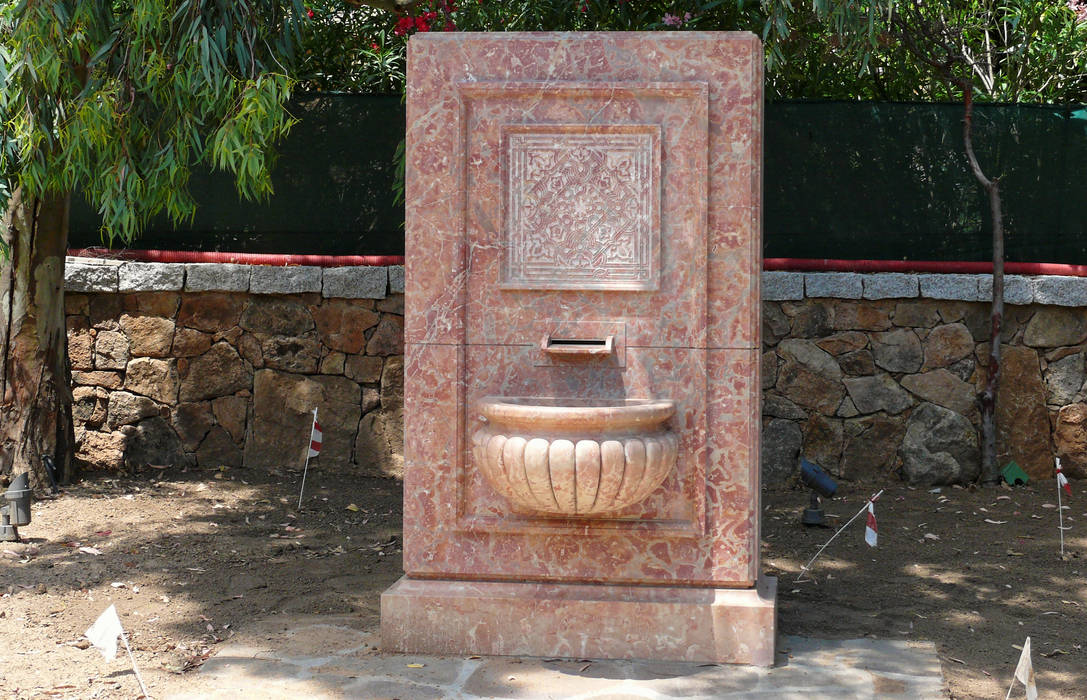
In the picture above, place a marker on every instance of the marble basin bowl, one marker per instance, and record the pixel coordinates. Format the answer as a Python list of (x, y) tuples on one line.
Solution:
[(575, 457)]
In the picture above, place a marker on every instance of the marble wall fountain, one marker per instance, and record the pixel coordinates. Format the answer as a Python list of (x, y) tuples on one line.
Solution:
[(582, 349)]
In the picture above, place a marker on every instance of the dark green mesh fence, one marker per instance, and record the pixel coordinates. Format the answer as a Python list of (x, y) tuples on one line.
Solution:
[(333, 190), (891, 181), (842, 180)]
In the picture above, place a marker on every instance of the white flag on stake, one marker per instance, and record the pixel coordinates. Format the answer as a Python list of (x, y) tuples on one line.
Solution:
[(1024, 673), (871, 533), (104, 632)]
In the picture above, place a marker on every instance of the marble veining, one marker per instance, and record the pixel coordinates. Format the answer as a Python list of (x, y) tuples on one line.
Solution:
[(583, 230)]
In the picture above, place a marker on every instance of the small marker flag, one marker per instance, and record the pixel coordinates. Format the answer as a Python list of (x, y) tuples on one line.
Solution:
[(104, 632), (1024, 672), (870, 530), (1062, 480), (315, 437)]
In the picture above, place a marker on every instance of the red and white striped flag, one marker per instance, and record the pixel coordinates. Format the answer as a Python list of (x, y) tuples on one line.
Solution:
[(870, 529), (315, 437), (1062, 480)]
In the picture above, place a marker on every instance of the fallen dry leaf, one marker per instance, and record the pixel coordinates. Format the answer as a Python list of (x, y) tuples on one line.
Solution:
[(352, 507)]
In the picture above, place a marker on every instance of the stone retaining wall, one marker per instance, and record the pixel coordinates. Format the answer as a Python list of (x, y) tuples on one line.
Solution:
[(870, 374), (213, 364), (864, 374)]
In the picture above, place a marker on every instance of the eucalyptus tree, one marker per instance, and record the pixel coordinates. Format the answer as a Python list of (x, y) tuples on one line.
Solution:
[(120, 99), (1006, 50)]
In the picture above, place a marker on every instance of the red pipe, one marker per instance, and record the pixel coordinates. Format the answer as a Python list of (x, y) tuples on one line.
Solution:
[(192, 256), (785, 264), (934, 266)]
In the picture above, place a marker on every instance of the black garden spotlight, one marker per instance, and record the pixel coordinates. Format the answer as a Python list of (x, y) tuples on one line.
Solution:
[(820, 484)]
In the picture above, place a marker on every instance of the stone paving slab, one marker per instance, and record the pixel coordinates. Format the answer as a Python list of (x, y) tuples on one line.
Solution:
[(337, 657)]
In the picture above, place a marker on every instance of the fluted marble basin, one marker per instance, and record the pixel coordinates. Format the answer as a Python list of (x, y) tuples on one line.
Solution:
[(571, 457)]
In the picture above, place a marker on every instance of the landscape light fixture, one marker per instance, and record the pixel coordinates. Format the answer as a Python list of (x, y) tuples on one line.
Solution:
[(820, 484), (16, 511)]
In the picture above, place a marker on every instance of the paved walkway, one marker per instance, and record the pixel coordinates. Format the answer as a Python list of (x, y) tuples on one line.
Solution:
[(334, 657)]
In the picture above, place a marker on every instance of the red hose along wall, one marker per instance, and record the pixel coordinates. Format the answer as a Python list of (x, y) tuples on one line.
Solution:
[(191, 256), (784, 264), (933, 266)]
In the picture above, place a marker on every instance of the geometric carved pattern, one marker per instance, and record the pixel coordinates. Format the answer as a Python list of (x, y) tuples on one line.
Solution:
[(582, 206)]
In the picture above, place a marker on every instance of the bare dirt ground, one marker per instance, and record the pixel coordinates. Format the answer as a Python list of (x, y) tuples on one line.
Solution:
[(192, 558)]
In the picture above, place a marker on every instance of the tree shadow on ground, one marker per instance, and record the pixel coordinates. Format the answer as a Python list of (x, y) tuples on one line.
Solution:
[(189, 558), (973, 570)]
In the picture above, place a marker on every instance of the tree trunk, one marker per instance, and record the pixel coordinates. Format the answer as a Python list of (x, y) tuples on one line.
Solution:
[(990, 472), (35, 382)]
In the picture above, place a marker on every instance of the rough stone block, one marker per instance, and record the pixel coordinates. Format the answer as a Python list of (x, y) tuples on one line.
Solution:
[(1017, 289), (87, 275), (127, 409), (1059, 291), (877, 393), (277, 316), (364, 369), (362, 282), (218, 372), (150, 336), (388, 337), (275, 279), (1071, 439), (838, 285), (151, 277), (111, 350), (890, 285), (102, 450), (211, 312), (343, 324), (780, 285), (1025, 433), (940, 447), (1055, 327), (217, 277), (396, 279), (952, 287), (154, 378)]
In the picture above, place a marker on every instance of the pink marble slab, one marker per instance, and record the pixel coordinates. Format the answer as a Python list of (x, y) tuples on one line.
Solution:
[(698, 528), (701, 625), (665, 202), (455, 100), (602, 191)]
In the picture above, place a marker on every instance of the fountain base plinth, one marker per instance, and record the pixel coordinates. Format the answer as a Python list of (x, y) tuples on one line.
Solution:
[(702, 625)]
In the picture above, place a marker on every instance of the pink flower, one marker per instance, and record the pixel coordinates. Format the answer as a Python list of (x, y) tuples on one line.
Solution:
[(672, 20)]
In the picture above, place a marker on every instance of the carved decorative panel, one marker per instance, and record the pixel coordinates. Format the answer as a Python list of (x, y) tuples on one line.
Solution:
[(582, 206)]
